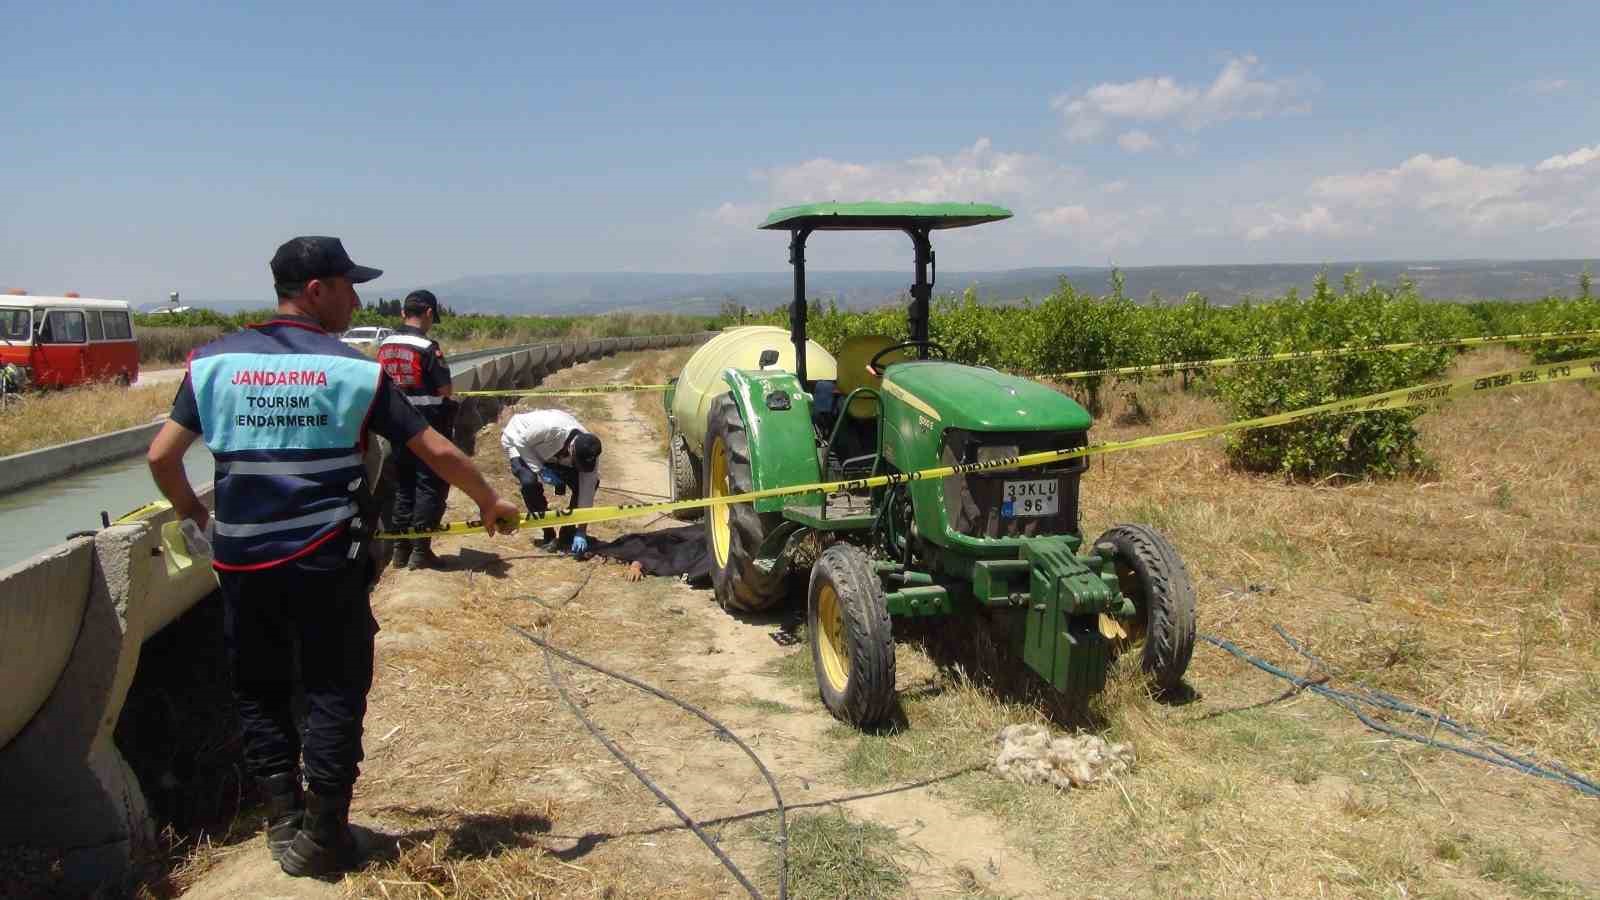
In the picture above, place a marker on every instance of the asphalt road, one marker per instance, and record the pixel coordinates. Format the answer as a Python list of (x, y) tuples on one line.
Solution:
[(159, 376)]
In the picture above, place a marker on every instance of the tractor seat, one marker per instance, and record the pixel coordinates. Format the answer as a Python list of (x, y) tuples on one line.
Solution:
[(853, 373)]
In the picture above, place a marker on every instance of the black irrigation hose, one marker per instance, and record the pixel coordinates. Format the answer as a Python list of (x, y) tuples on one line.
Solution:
[(633, 493), (722, 732), (570, 597), (1351, 702)]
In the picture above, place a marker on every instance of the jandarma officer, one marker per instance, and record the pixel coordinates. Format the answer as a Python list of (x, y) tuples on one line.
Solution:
[(285, 408), (416, 366)]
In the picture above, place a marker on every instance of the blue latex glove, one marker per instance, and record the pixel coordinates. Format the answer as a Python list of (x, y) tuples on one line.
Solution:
[(550, 477), (580, 545)]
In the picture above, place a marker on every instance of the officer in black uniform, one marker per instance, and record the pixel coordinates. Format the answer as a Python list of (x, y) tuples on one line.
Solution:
[(285, 409), (417, 367)]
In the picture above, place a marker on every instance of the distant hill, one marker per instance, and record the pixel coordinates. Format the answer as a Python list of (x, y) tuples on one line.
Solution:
[(557, 293), (604, 292)]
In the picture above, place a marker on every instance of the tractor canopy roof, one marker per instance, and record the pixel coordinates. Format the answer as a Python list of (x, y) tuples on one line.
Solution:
[(876, 216)]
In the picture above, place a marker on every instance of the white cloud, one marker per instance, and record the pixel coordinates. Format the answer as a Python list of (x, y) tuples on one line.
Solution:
[(1097, 230), (1136, 141), (1427, 205), (1582, 156), (725, 235), (976, 173), (1442, 197), (1445, 189), (1314, 221), (1547, 85), (1238, 92), (1074, 216), (739, 215)]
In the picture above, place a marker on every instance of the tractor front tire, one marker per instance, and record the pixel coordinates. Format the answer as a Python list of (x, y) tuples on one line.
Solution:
[(685, 479), (734, 531), (1152, 574), (852, 641)]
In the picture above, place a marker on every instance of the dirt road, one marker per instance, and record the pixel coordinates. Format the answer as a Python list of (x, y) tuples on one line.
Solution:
[(480, 782)]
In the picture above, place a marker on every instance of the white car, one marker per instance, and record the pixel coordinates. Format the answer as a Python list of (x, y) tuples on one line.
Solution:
[(366, 335)]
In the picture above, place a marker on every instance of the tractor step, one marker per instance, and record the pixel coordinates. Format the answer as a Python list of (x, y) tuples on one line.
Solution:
[(841, 512)]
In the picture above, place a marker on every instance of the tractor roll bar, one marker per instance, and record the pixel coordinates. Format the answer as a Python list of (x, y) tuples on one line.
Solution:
[(916, 313), (797, 309)]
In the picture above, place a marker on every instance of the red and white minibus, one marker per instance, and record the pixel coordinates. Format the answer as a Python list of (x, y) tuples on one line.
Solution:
[(62, 341)]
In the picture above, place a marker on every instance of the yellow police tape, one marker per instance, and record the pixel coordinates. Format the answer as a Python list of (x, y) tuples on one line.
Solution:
[(565, 392), (145, 511), (1400, 398), (1173, 368)]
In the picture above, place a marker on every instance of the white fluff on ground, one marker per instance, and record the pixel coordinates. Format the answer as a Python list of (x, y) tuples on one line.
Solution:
[(1029, 755)]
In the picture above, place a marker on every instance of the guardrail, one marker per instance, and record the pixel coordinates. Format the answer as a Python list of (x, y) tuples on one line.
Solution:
[(73, 620)]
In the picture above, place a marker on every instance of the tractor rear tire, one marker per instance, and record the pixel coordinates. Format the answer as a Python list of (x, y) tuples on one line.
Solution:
[(1153, 576), (852, 640), (734, 531), (685, 479)]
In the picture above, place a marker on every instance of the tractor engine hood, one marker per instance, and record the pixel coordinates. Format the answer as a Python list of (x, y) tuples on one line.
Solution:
[(980, 399)]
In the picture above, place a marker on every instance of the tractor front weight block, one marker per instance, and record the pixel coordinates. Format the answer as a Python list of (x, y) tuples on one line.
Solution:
[(1058, 632)]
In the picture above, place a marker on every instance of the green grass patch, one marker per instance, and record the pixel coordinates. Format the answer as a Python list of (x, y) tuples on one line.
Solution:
[(762, 705), (1149, 512), (1515, 871), (1275, 543), (834, 854), (795, 668)]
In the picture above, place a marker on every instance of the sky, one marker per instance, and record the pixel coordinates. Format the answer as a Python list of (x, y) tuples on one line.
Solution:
[(156, 147)]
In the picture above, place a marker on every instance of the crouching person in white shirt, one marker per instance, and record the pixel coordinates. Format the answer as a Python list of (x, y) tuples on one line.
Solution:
[(549, 446)]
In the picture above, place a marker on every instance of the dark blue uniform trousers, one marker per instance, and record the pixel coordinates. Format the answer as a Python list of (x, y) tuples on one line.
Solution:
[(419, 492), (533, 494), (273, 617)]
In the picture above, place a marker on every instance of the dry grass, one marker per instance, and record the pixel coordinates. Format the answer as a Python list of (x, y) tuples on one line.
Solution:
[(33, 420), (1471, 592), (658, 369), (499, 823)]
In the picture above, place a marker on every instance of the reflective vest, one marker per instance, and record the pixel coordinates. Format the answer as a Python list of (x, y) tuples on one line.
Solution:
[(283, 407), (407, 358)]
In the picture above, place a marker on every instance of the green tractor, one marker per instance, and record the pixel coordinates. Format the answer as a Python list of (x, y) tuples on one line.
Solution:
[(749, 413)]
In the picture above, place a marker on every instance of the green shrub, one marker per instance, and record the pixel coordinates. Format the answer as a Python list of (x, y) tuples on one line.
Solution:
[(1381, 443), (200, 318), (171, 345)]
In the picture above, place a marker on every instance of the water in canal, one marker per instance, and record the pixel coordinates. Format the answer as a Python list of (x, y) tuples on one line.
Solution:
[(39, 517)]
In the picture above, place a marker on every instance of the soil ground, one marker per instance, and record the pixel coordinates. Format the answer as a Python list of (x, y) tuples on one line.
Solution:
[(1471, 591)]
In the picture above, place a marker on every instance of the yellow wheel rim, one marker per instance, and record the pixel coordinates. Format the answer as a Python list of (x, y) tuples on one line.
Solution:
[(830, 620), (719, 513), (1138, 626)]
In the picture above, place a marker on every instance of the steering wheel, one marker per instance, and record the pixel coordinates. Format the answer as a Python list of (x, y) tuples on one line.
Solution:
[(872, 365)]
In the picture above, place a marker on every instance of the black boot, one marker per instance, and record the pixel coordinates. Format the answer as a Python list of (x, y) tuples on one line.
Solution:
[(402, 554), (285, 806), (422, 555), (324, 844)]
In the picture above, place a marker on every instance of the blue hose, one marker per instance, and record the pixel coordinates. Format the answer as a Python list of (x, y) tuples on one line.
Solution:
[(1352, 702)]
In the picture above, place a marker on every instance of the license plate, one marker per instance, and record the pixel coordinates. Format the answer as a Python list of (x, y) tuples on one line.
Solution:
[(1031, 498)]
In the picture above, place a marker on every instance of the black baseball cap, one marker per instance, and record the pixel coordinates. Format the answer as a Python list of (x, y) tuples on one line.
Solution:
[(416, 300), (586, 451), (304, 258)]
